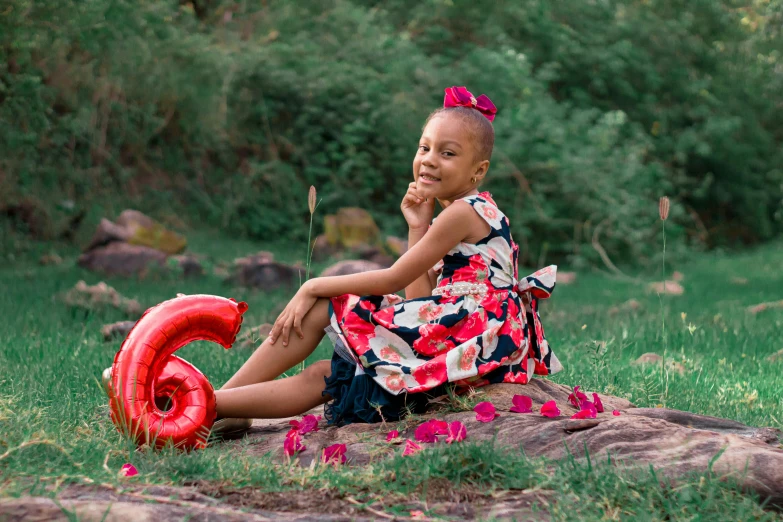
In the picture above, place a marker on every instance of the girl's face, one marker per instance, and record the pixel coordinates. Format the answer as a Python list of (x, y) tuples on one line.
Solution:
[(446, 161)]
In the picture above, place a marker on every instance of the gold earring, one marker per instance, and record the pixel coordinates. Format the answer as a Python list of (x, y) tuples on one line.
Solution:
[(473, 180)]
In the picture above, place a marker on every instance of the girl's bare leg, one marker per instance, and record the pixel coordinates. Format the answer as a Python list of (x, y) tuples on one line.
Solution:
[(269, 361), (252, 392), (276, 399)]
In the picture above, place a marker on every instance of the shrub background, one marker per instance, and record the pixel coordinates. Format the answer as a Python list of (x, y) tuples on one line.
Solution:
[(223, 113)]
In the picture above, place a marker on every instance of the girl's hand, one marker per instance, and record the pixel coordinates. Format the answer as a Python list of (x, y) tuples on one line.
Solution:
[(292, 316), (417, 211)]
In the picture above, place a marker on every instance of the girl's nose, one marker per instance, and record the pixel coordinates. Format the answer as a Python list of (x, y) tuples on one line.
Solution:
[(428, 160)]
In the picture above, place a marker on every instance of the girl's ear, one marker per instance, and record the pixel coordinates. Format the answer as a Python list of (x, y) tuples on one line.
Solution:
[(481, 170)]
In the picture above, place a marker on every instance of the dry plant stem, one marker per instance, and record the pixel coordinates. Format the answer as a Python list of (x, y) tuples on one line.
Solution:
[(663, 317)]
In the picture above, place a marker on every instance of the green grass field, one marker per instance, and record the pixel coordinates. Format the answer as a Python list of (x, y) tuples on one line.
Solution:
[(54, 428)]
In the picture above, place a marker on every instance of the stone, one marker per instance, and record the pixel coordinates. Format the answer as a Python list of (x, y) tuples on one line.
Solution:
[(374, 254), (322, 249), (188, 264), (671, 288), (350, 267), (637, 437), (136, 228), (50, 259), (259, 270), (777, 356), (350, 227), (100, 296), (566, 278), (118, 330), (631, 305), (396, 245), (122, 259), (649, 358), (678, 276)]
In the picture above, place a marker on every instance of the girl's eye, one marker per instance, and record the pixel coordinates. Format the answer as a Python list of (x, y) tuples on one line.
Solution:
[(423, 148), (448, 153)]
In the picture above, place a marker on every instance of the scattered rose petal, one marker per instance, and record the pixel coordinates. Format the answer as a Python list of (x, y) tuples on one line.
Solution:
[(334, 454), (485, 412), (522, 404), (293, 442), (457, 432), (550, 409), (599, 406), (393, 434), (576, 397), (417, 515), (616, 413), (410, 448), (429, 431), (588, 411), (128, 470), (307, 424)]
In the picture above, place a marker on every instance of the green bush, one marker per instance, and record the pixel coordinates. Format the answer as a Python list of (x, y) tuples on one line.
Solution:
[(225, 113)]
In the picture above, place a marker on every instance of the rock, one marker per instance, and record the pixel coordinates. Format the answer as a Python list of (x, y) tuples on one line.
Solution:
[(693, 443), (566, 278), (649, 358), (677, 276), (396, 245), (189, 264), (50, 259), (136, 228), (374, 254), (777, 356), (118, 330), (351, 227), (255, 336), (765, 306), (322, 249), (99, 296), (259, 270), (122, 259), (350, 267), (631, 305), (672, 288)]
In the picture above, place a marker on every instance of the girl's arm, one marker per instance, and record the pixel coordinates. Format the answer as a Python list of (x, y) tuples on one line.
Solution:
[(424, 284), (452, 226)]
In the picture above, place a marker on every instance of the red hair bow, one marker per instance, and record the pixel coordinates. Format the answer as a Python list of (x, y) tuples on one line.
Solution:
[(461, 97)]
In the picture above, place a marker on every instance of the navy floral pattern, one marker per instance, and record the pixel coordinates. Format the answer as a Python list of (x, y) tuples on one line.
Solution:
[(471, 340)]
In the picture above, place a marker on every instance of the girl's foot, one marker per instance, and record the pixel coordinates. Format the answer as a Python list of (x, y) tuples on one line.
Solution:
[(230, 428)]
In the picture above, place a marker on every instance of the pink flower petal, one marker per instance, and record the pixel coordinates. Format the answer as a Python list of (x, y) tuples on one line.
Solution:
[(588, 411), (616, 413), (550, 409), (599, 406), (417, 515), (576, 397), (410, 448), (425, 432), (393, 434), (293, 443), (334, 454), (440, 427), (522, 404), (457, 432), (309, 423), (485, 412), (128, 470)]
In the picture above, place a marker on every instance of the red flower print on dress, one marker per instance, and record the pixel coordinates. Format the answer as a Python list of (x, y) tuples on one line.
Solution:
[(391, 354), (468, 358), (433, 340), (358, 332), (470, 327), (521, 404), (485, 412), (430, 312), (550, 409), (516, 378), (395, 382), (385, 317), (367, 305), (485, 368), (431, 373), (490, 212)]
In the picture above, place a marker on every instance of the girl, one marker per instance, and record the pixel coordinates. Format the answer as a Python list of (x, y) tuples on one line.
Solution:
[(466, 320)]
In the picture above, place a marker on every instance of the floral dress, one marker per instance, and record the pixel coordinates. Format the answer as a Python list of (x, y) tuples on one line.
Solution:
[(482, 326)]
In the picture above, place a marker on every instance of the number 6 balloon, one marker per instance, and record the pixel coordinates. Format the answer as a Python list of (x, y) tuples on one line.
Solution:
[(145, 369)]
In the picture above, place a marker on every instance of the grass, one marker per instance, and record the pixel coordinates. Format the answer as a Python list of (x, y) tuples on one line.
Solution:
[(54, 428)]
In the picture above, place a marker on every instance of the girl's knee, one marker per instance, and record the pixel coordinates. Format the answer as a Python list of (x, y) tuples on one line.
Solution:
[(319, 369)]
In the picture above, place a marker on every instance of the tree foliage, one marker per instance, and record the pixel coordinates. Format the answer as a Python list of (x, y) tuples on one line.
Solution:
[(227, 111)]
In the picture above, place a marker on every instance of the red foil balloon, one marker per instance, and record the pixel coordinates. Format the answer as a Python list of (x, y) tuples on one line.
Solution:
[(145, 369)]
